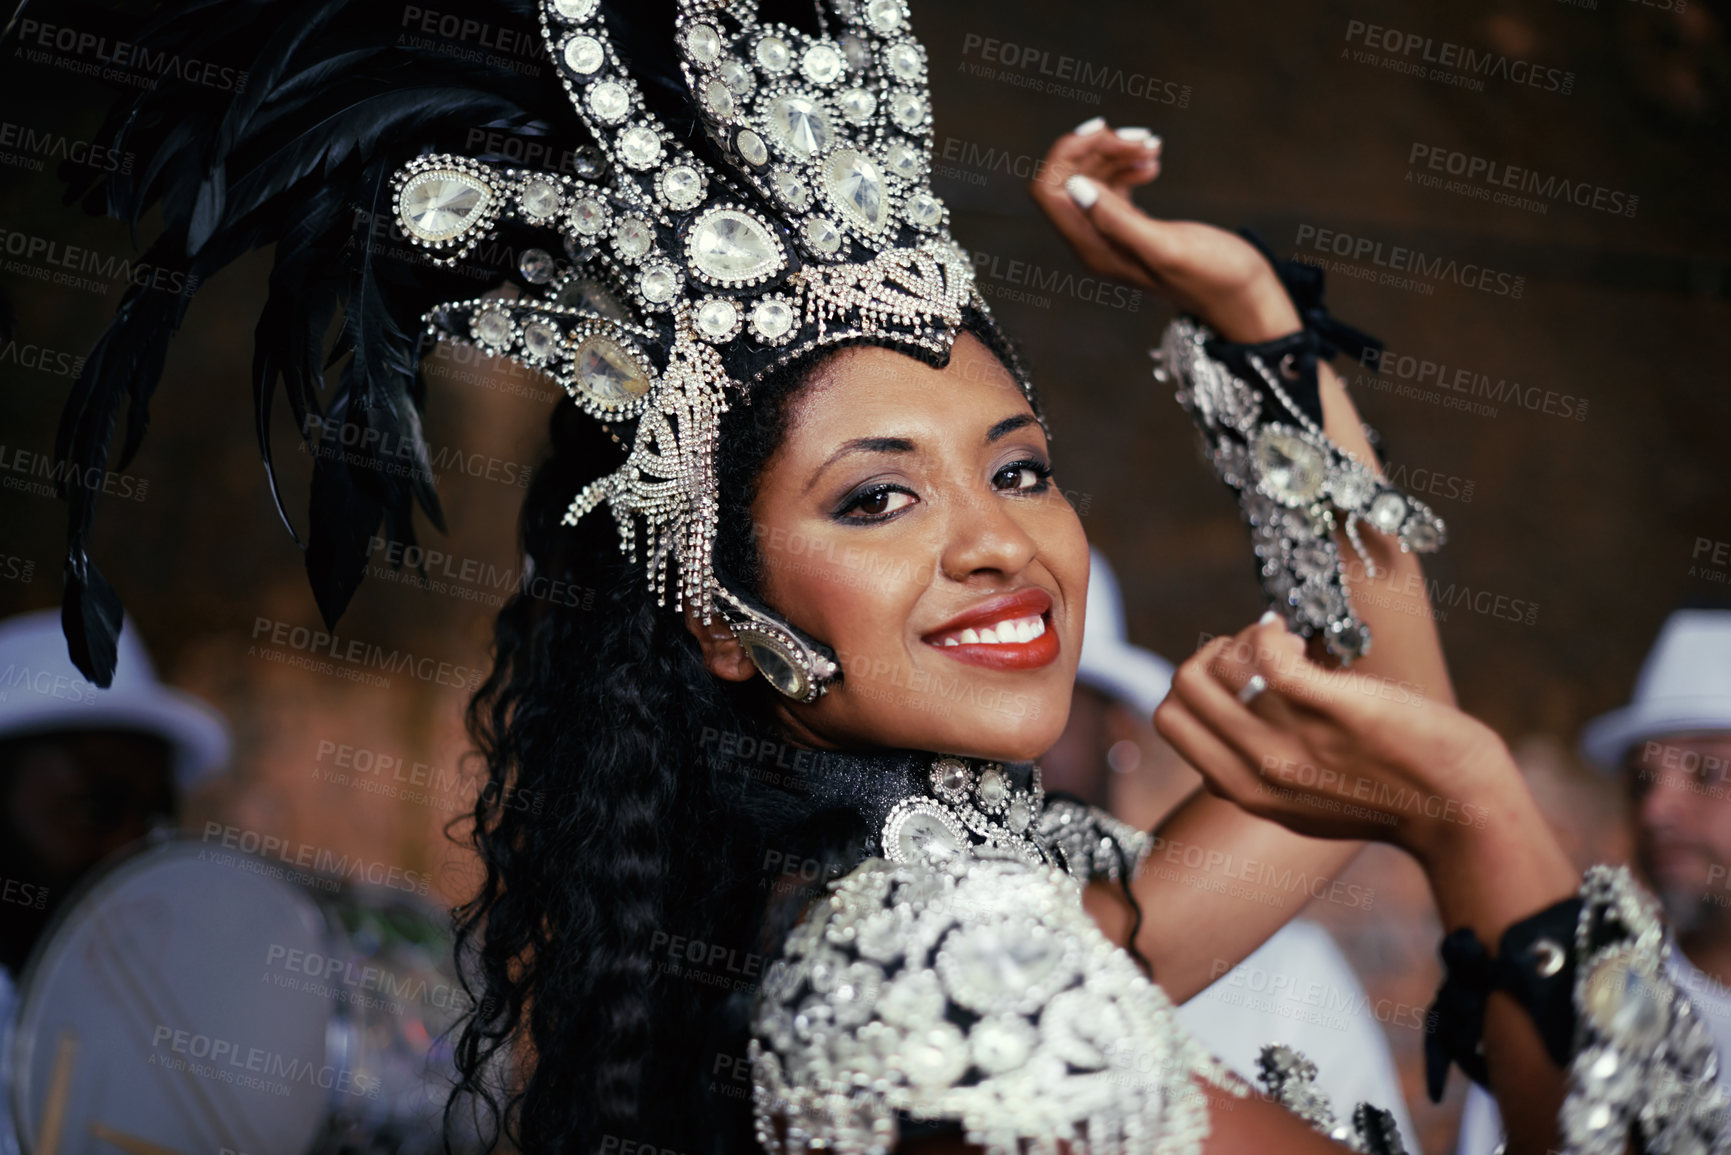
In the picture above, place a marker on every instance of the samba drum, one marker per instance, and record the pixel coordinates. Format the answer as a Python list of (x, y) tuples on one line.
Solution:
[(198, 1000)]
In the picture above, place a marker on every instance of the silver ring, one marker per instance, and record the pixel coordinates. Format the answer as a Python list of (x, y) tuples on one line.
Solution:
[(1253, 687)]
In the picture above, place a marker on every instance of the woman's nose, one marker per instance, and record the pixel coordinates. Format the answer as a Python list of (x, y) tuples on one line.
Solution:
[(984, 536)]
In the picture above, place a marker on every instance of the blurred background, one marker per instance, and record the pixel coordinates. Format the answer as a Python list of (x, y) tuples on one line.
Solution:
[(1555, 388)]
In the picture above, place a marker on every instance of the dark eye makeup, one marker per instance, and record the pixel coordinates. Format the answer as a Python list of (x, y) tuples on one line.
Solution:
[(881, 500)]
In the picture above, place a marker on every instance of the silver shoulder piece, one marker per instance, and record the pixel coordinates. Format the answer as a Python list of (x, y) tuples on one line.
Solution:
[(1644, 1069), (959, 980), (1295, 487)]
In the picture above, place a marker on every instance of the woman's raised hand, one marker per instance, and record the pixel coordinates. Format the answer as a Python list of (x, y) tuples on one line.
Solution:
[(1084, 186), (1332, 754)]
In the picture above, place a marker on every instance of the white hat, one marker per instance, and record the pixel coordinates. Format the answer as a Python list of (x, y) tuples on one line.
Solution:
[(1685, 685), (40, 689), (1110, 664)]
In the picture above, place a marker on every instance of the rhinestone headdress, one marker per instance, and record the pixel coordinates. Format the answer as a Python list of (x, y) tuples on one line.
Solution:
[(808, 223)]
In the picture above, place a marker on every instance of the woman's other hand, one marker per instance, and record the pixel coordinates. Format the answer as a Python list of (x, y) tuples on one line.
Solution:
[(1331, 754), (1084, 186)]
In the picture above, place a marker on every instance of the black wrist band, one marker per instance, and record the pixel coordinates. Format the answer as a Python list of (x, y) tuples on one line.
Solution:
[(1294, 357), (1304, 285), (1535, 964)]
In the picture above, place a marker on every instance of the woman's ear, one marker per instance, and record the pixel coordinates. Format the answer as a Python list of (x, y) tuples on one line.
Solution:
[(723, 656)]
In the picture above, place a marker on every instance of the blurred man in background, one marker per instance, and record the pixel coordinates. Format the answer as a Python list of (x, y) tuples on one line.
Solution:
[(1672, 746), (1111, 756), (84, 772)]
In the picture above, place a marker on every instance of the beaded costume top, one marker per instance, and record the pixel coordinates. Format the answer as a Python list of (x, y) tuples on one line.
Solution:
[(954, 977)]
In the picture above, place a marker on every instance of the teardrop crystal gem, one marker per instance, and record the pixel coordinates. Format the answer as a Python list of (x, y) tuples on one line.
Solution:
[(1291, 469), (855, 187), (798, 126), (440, 204), (728, 247), (608, 375), (776, 665)]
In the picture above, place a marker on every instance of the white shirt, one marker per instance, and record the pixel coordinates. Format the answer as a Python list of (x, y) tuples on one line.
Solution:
[(1482, 1123), (1298, 989)]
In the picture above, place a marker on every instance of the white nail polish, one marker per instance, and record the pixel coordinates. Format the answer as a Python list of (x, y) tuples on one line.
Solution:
[(1082, 191), (1089, 127), (1134, 132), (1152, 143), (1268, 619)]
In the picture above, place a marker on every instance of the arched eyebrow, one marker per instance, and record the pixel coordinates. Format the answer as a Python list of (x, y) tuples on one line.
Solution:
[(860, 445), (1009, 425)]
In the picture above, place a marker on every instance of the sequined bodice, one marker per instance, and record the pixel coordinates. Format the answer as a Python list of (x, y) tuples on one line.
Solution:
[(953, 976)]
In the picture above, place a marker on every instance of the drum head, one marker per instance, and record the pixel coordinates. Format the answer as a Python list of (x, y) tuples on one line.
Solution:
[(161, 1014)]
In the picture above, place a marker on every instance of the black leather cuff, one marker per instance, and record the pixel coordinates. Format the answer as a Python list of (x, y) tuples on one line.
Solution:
[(1535, 964)]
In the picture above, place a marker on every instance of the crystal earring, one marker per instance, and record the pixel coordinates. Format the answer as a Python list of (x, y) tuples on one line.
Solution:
[(798, 666)]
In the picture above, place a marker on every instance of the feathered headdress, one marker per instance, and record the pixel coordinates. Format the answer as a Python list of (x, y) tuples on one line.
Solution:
[(753, 192)]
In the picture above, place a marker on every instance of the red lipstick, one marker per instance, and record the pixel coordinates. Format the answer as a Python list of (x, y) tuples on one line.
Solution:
[(1008, 632)]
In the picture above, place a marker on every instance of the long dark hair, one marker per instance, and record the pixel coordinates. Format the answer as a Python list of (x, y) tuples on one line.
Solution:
[(621, 923)]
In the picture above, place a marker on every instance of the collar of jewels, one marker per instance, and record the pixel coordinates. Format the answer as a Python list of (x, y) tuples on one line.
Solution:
[(684, 279), (945, 811)]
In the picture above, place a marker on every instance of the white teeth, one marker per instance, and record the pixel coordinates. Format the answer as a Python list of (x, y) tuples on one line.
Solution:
[(1015, 632)]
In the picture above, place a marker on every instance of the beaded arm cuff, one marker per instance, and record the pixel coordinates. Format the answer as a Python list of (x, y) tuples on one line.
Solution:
[(1294, 485)]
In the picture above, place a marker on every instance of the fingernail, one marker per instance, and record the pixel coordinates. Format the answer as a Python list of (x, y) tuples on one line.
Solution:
[(1090, 126), (1133, 132), (1082, 191), (1152, 143), (1268, 619)]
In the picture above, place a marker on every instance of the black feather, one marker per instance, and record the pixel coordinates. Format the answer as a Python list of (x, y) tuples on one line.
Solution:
[(297, 160)]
